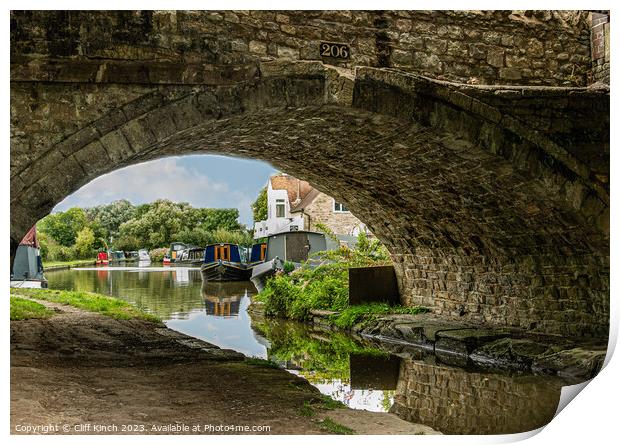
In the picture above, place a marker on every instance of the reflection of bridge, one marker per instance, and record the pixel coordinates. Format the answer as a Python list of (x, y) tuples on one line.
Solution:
[(493, 200)]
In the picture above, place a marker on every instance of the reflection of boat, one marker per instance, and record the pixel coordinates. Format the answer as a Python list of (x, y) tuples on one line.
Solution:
[(181, 275), (27, 265), (291, 247), (222, 262), (224, 298)]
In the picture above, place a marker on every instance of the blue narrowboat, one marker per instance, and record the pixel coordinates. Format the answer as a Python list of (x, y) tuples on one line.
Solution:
[(257, 254), (223, 262)]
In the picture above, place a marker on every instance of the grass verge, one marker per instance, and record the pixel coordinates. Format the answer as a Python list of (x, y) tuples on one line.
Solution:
[(334, 427), (72, 263), (22, 309), (111, 307), (352, 315)]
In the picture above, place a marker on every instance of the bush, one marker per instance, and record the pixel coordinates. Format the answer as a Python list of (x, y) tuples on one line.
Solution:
[(294, 293), (157, 255)]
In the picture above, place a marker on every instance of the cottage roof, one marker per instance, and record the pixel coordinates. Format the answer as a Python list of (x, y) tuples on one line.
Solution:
[(296, 189), (305, 202)]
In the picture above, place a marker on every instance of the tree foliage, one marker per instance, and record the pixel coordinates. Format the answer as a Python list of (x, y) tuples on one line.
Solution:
[(111, 216), (259, 207), (63, 226), (85, 242), (123, 226)]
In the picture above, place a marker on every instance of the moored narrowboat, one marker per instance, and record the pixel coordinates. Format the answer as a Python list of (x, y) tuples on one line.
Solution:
[(257, 254), (223, 262), (131, 257), (143, 255), (116, 256), (190, 256), (175, 249), (102, 258), (27, 268)]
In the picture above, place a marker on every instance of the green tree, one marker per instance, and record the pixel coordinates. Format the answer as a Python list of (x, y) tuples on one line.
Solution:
[(156, 226), (85, 242), (259, 207), (64, 226), (111, 216), (127, 243)]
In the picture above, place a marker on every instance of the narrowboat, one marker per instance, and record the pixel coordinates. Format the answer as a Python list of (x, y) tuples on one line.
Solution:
[(223, 262), (175, 249), (27, 264), (116, 256), (257, 254), (143, 255), (294, 247), (102, 258), (132, 256), (190, 256)]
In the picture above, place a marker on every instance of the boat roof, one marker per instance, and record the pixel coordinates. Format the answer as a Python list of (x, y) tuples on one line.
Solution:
[(296, 231)]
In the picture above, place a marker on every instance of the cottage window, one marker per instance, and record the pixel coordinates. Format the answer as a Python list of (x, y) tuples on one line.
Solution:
[(280, 208), (340, 207)]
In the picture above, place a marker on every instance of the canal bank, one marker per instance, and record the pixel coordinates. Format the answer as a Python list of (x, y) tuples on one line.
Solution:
[(81, 368), (363, 372), (63, 265)]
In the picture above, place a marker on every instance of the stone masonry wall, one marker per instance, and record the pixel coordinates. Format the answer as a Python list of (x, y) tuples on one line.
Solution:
[(321, 210), (600, 47), (455, 401), (479, 47)]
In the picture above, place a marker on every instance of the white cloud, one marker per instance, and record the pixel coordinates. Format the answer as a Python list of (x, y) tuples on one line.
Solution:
[(161, 179)]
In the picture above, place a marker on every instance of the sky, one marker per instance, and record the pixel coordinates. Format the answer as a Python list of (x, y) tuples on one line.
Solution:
[(202, 180)]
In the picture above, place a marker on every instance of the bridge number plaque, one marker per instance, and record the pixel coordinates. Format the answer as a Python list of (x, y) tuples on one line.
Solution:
[(335, 50)]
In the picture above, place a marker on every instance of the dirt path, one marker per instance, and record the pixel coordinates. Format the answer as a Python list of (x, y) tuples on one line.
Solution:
[(80, 372)]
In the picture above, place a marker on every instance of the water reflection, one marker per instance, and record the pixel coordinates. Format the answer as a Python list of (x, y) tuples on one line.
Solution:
[(357, 372), (224, 298)]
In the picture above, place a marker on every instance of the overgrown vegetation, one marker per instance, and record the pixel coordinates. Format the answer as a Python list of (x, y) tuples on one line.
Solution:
[(256, 361), (111, 307), (293, 294), (22, 309), (352, 315)]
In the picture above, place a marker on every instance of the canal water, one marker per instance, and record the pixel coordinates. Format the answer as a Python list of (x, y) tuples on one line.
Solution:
[(362, 375)]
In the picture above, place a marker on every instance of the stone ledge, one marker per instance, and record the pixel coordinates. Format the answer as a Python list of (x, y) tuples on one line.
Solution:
[(465, 344)]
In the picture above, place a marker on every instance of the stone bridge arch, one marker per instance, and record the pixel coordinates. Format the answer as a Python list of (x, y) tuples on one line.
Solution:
[(492, 200)]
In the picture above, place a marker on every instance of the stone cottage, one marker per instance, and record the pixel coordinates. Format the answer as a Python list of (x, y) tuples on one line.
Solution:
[(293, 204)]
